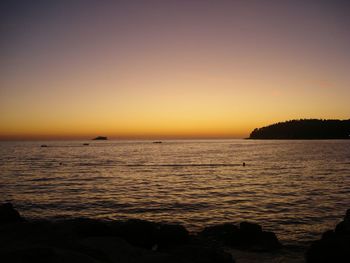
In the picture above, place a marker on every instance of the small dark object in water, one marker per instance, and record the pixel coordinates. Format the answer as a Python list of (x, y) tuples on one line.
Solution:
[(243, 164), (100, 138), (157, 142), (85, 144), (43, 145), (61, 163)]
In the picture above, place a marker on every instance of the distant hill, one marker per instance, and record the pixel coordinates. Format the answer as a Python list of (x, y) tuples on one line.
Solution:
[(304, 129)]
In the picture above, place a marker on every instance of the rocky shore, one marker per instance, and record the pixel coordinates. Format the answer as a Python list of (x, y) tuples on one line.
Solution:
[(334, 246), (139, 241)]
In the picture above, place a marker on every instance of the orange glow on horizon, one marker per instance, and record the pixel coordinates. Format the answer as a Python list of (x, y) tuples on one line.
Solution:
[(184, 70)]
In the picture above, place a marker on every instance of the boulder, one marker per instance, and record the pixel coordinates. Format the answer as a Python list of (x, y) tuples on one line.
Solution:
[(169, 234), (334, 246), (82, 227), (149, 234), (9, 215), (343, 228), (96, 241), (115, 249), (247, 236), (137, 232), (331, 249), (250, 228), (223, 233), (268, 241)]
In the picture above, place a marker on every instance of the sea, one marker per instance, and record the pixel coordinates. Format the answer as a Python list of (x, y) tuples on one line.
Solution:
[(295, 188)]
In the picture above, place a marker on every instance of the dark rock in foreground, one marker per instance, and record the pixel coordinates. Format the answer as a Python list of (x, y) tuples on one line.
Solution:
[(334, 246), (149, 234), (9, 215), (88, 240), (246, 236)]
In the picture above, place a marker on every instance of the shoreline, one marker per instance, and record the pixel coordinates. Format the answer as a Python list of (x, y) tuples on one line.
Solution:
[(134, 240)]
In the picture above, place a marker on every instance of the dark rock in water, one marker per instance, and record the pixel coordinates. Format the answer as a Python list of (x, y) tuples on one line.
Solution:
[(87, 240), (223, 232), (85, 144), (344, 226), (93, 241), (250, 228), (9, 215), (158, 142), (331, 249), (43, 145), (334, 246), (137, 232), (251, 234), (327, 234), (247, 236), (268, 241), (171, 235), (148, 234), (83, 227), (100, 138), (115, 249)]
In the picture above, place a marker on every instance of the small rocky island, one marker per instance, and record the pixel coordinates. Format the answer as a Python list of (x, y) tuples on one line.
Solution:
[(100, 138), (304, 129)]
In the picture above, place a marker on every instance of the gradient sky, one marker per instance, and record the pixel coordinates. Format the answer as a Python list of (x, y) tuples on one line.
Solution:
[(170, 69)]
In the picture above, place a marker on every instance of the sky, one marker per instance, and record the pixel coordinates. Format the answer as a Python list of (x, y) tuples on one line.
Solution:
[(170, 69)]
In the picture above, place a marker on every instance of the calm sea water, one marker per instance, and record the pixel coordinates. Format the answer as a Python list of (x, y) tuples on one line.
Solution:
[(297, 189)]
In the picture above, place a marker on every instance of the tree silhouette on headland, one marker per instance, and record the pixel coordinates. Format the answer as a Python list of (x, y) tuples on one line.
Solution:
[(304, 129)]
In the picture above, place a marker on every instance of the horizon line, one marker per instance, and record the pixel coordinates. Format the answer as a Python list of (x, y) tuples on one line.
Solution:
[(118, 138)]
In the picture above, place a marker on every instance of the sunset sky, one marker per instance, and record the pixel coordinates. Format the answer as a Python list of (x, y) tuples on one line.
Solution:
[(170, 68)]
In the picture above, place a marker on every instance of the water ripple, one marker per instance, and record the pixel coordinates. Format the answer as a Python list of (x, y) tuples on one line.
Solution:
[(296, 188)]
